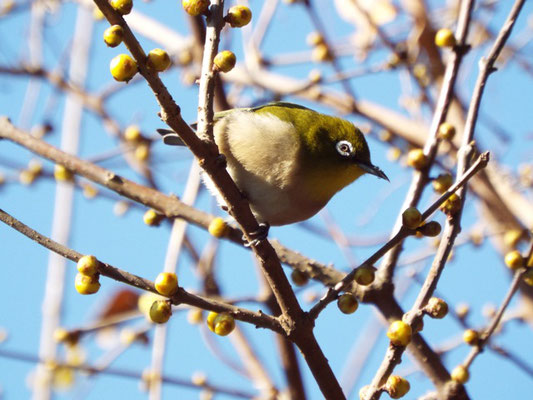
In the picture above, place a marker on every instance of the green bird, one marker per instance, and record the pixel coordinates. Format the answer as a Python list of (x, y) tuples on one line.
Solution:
[(288, 160)]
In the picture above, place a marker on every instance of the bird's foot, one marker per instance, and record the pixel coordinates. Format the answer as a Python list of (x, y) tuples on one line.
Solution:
[(257, 236)]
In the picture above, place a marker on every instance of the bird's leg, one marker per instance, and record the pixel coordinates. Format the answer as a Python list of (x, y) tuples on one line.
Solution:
[(221, 161), (257, 236)]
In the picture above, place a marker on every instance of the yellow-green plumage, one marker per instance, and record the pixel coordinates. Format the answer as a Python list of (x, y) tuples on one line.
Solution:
[(289, 160)]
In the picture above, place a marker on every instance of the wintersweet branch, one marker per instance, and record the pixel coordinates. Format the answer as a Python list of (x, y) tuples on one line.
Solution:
[(259, 319), (486, 335), (420, 178), (333, 292), (453, 226)]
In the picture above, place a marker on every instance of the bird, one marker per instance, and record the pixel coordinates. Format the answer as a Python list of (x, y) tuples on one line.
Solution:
[(286, 159)]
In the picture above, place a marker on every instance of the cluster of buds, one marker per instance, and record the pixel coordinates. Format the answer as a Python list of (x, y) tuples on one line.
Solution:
[(87, 278)]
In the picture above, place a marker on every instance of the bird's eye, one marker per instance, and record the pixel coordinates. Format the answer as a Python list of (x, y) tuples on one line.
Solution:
[(344, 148)]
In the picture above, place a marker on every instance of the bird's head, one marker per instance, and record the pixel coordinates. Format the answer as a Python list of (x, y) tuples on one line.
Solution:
[(336, 143)]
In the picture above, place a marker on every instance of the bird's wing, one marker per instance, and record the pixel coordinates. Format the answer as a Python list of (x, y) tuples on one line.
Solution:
[(172, 138)]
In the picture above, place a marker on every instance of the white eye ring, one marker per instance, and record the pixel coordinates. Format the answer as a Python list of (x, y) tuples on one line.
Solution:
[(344, 148)]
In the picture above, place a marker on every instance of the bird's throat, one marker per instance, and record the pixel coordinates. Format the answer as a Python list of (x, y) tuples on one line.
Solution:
[(323, 182)]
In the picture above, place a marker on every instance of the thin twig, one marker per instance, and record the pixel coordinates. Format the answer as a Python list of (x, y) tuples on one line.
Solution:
[(420, 178), (259, 318), (332, 293), (127, 373), (452, 229), (487, 333)]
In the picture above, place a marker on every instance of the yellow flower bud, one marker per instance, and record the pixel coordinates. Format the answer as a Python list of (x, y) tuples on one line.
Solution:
[(113, 35), (445, 38), (347, 303), (122, 6), (87, 265), (166, 283), (123, 68), (158, 60), (399, 333), (460, 374), (412, 218), (225, 61), (160, 311), (238, 16)]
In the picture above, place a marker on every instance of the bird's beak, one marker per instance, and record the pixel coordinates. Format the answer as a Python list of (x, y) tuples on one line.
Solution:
[(372, 169)]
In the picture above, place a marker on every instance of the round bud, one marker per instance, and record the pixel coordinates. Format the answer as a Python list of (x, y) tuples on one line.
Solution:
[(238, 16), (436, 308), (87, 265), (195, 7), (385, 136), (299, 278), (347, 303), (314, 76), (442, 183), (210, 320), (397, 387), (223, 324), (315, 38), (528, 277), (460, 374), (86, 284), (218, 227), (399, 333), (445, 38), (364, 276), (62, 174), (160, 311), (60, 335), (362, 392), (152, 218), (142, 152), (62, 378), (431, 229), (127, 336), (199, 378), (225, 61), (132, 133), (394, 153), (122, 6), (89, 191), (462, 310), (145, 301), (158, 60), (411, 218), (452, 205), (471, 337), (123, 68), (166, 283), (417, 159), (35, 167), (185, 57), (113, 35), (393, 61), (26, 177), (446, 131), (514, 260), (322, 53), (420, 71)]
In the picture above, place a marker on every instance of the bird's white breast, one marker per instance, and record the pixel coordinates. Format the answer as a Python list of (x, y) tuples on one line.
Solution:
[(262, 158)]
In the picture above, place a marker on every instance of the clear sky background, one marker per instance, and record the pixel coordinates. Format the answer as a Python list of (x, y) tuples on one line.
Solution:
[(366, 211)]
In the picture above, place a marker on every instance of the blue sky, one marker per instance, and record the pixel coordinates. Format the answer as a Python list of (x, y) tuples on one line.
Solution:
[(476, 276)]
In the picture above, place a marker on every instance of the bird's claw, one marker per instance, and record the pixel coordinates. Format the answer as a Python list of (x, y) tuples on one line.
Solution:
[(257, 236)]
